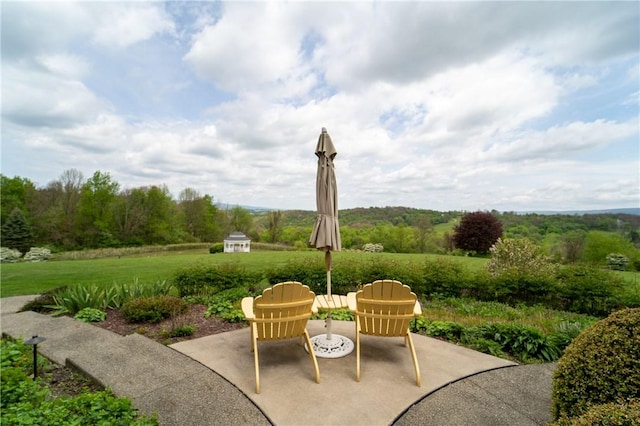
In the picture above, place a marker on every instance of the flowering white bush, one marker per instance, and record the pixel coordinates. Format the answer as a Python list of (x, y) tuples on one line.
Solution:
[(8, 255), (373, 248), (617, 261), (520, 255), (37, 254)]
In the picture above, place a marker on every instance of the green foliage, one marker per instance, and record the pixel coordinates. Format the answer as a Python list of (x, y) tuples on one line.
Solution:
[(524, 343), (72, 299), (336, 314), (599, 244), (182, 331), (600, 366), (521, 256), (225, 310), (530, 286), (204, 280), (8, 255), (90, 315), (442, 276), (16, 232), (617, 261), (216, 248), (224, 305), (152, 309), (619, 414), (588, 289), (29, 402), (346, 276), (477, 232)]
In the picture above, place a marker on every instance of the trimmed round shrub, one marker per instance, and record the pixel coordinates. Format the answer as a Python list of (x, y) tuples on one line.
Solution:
[(216, 248), (606, 414), (600, 366), (153, 309)]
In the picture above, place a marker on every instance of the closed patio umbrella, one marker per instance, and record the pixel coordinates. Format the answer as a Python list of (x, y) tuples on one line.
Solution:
[(326, 237)]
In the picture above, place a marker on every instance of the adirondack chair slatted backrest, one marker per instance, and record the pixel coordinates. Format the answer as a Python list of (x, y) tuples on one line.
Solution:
[(282, 311), (385, 308)]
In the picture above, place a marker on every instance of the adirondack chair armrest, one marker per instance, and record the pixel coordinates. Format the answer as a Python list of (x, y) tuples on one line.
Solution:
[(314, 309), (351, 302), (417, 310), (247, 307)]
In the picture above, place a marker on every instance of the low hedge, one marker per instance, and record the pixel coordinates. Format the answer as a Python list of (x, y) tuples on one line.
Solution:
[(600, 366), (207, 280)]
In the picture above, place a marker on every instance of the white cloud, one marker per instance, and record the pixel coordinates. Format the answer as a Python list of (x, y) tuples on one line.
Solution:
[(445, 105), (124, 24)]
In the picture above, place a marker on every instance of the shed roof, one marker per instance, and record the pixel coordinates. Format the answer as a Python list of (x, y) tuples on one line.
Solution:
[(237, 236)]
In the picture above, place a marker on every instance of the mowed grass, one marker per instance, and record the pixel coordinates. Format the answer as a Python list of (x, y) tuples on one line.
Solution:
[(34, 278)]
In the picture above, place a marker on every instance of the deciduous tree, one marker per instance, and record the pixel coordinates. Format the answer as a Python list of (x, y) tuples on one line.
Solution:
[(477, 232)]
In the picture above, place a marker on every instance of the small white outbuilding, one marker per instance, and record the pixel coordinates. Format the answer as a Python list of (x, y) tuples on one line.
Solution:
[(237, 242)]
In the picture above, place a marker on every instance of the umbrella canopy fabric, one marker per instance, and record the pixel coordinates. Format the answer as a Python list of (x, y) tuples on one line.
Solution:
[(326, 231)]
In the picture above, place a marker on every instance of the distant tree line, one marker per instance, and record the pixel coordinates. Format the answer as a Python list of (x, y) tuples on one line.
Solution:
[(72, 213)]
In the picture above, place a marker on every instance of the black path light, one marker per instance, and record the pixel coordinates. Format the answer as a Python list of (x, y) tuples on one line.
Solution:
[(34, 342)]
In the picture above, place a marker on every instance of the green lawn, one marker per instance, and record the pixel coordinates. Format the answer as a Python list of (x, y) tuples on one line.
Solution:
[(34, 278)]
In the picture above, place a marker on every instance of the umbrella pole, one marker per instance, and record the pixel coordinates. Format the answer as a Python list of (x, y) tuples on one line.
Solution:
[(327, 262)]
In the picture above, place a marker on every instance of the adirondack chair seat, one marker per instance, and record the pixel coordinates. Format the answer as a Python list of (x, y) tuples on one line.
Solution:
[(280, 313), (385, 308)]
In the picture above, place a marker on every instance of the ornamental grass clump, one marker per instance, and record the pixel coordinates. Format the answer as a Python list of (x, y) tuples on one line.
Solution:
[(601, 366)]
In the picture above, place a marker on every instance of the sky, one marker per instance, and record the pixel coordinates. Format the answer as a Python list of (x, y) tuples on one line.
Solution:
[(513, 106)]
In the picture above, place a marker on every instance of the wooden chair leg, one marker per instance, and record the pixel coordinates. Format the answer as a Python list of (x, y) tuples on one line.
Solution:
[(312, 355), (257, 364), (357, 350), (415, 359)]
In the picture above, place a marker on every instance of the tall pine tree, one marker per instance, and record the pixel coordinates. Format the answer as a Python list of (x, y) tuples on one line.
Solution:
[(16, 232)]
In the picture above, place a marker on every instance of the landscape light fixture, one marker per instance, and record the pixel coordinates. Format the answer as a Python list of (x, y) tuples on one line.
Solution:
[(34, 342)]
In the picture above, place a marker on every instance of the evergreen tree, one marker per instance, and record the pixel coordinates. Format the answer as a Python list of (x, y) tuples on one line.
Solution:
[(16, 233)]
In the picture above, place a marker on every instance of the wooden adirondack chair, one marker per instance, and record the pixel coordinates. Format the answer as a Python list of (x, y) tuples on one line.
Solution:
[(281, 312), (385, 308)]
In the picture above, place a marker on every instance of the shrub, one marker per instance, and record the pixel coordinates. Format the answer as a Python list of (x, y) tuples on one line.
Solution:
[(205, 280), (518, 255), (91, 315), (624, 414), (599, 244), (8, 255), (444, 277), (216, 248), (600, 366), (531, 287), (588, 290), (617, 261), (37, 254), (152, 309), (373, 248)]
